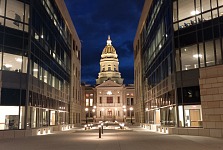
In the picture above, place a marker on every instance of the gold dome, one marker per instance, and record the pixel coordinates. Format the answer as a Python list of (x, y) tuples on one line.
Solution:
[(109, 49)]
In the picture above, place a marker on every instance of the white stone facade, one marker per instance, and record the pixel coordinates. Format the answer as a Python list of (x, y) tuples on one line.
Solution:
[(110, 101)]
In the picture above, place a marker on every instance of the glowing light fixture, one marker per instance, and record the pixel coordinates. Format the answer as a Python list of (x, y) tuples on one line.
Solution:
[(197, 55), (194, 12), (18, 59), (8, 65), (35, 70), (109, 93)]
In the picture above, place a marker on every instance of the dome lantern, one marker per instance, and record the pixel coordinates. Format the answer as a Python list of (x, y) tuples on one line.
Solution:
[(109, 41)]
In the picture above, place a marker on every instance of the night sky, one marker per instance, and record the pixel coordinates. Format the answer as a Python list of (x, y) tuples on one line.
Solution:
[(94, 20)]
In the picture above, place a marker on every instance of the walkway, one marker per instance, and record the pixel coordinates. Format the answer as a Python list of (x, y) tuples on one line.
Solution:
[(135, 139)]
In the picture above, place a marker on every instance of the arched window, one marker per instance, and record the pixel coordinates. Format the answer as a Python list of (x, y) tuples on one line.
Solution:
[(103, 68), (109, 67), (115, 68)]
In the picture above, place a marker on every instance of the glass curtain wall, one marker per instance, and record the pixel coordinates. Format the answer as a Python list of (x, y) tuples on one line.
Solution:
[(158, 64), (49, 62), (198, 42)]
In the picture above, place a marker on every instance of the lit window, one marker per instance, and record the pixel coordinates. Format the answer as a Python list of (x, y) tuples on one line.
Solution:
[(87, 102), (91, 102)]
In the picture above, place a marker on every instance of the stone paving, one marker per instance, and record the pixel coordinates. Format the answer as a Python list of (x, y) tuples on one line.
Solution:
[(134, 138)]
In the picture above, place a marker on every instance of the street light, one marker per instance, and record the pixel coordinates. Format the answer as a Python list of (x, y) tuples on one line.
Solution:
[(93, 110), (124, 109), (102, 115), (131, 109), (86, 109), (94, 114)]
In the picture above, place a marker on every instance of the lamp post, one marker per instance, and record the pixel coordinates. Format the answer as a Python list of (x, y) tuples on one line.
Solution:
[(102, 113), (86, 109), (124, 110), (131, 113), (93, 110), (94, 114)]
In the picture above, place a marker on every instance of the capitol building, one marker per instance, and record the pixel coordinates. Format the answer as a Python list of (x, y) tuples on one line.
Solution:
[(109, 99)]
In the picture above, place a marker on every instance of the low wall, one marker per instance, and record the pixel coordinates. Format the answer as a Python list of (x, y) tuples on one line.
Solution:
[(184, 131), (5, 134)]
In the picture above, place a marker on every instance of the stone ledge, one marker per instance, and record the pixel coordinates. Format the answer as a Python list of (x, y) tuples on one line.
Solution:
[(203, 132), (10, 134), (1, 135), (193, 132), (19, 133), (183, 131), (216, 133)]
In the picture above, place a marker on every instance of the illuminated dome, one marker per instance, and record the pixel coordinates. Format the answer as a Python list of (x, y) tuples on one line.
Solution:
[(109, 65), (109, 49)]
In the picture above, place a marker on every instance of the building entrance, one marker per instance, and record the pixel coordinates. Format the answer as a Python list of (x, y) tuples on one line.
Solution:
[(109, 114)]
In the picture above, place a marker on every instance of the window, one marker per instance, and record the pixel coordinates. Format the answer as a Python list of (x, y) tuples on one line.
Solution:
[(118, 99), (45, 74), (87, 102), (189, 57), (2, 7), (35, 70), (128, 102), (15, 11), (109, 67), (115, 68), (91, 102), (87, 95), (132, 101), (100, 100), (186, 9), (109, 99), (220, 2), (14, 63)]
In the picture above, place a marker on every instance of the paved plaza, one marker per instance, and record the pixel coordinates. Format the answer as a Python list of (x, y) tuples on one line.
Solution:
[(112, 139)]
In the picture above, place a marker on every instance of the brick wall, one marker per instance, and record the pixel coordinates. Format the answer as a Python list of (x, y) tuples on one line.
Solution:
[(211, 90)]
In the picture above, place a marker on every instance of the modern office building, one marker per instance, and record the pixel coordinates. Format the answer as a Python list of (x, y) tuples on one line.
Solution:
[(39, 65), (109, 99), (178, 66)]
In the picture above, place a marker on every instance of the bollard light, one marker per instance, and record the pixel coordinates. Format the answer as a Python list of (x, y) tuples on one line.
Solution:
[(99, 130)]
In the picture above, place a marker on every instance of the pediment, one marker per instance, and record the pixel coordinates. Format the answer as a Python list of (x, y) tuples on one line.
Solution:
[(109, 83)]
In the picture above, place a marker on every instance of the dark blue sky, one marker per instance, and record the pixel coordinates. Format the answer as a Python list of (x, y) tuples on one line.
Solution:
[(94, 20)]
